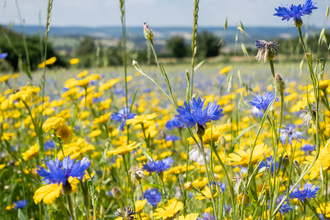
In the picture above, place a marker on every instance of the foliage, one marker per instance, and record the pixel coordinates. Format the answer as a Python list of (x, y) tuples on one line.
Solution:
[(177, 46)]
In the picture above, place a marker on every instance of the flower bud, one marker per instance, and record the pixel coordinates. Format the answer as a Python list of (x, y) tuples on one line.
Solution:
[(200, 130), (188, 186), (102, 211), (134, 63), (298, 23), (279, 83), (308, 55), (116, 192), (222, 142), (148, 33), (285, 161), (297, 166)]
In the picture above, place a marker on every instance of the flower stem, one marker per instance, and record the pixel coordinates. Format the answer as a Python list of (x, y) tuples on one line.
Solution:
[(69, 201), (63, 208), (272, 67)]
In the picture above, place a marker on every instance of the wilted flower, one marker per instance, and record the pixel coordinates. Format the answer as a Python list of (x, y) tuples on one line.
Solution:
[(128, 213), (136, 173), (308, 114), (196, 155), (266, 50)]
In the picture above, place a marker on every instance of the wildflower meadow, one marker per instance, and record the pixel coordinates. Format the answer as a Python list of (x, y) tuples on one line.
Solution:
[(186, 142)]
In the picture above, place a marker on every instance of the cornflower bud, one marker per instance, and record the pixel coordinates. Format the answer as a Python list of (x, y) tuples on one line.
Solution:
[(116, 192), (148, 33), (279, 83), (285, 161), (298, 23)]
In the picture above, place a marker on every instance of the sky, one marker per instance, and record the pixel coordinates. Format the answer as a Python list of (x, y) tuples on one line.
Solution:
[(160, 13)]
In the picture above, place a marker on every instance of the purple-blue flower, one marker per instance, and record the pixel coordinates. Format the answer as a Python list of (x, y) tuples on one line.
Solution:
[(49, 145), (3, 55), (121, 116), (290, 133), (295, 11), (206, 216), (158, 165), (194, 113), (59, 172), (171, 138), (308, 192), (153, 197), (308, 148), (174, 123), (269, 164), (262, 102), (20, 204)]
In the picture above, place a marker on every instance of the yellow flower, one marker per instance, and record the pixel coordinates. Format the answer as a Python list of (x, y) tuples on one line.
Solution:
[(139, 205), (74, 61), (102, 119), (47, 193), (200, 183), (28, 155), (10, 207), (74, 184), (123, 150), (82, 74), (5, 78), (192, 216), (75, 148), (206, 194), (141, 119), (215, 132), (225, 70), (109, 84), (2, 166), (243, 158), (95, 133), (169, 210), (53, 123), (65, 133), (50, 61)]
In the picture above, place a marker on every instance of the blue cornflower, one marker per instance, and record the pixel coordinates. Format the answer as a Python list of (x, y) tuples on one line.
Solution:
[(193, 114), (295, 11), (121, 116), (171, 138), (153, 197), (59, 172), (285, 207), (174, 123), (128, 212), (206, 216), (20, 204), (262, 102), (49, 145), (158, 165), (222, 186), (308, 148), (308, 192), (269, 164), (3, 55), (289, 133)]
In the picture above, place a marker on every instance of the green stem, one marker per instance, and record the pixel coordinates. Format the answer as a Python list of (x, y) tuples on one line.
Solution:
[(63, 208), (69, 201), (272, 68)]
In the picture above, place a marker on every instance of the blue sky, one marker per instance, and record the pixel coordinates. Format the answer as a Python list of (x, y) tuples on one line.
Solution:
[(95, 13)]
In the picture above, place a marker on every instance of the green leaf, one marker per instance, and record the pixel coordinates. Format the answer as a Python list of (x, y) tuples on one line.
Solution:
[(21, 215)]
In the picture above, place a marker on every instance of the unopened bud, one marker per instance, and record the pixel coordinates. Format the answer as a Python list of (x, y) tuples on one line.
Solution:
[(200, 130), (116, 192), (134, 63), (188, 186), (102, 211), (148, 33), (308, 55), (298, 23), (279, 83), (222, 142), (285, 161)]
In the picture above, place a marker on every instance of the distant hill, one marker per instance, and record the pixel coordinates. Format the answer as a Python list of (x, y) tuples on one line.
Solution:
[(163, 33)]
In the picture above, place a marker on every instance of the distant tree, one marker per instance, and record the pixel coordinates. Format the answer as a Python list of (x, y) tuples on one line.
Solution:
[(33, 45), (86, 47), (177, 46), (207, 45)]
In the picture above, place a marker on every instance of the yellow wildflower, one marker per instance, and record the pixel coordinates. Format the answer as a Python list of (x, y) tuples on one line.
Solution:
[(169, 210), (243, 158), (225, 70), (28, 155), (123, 150)]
